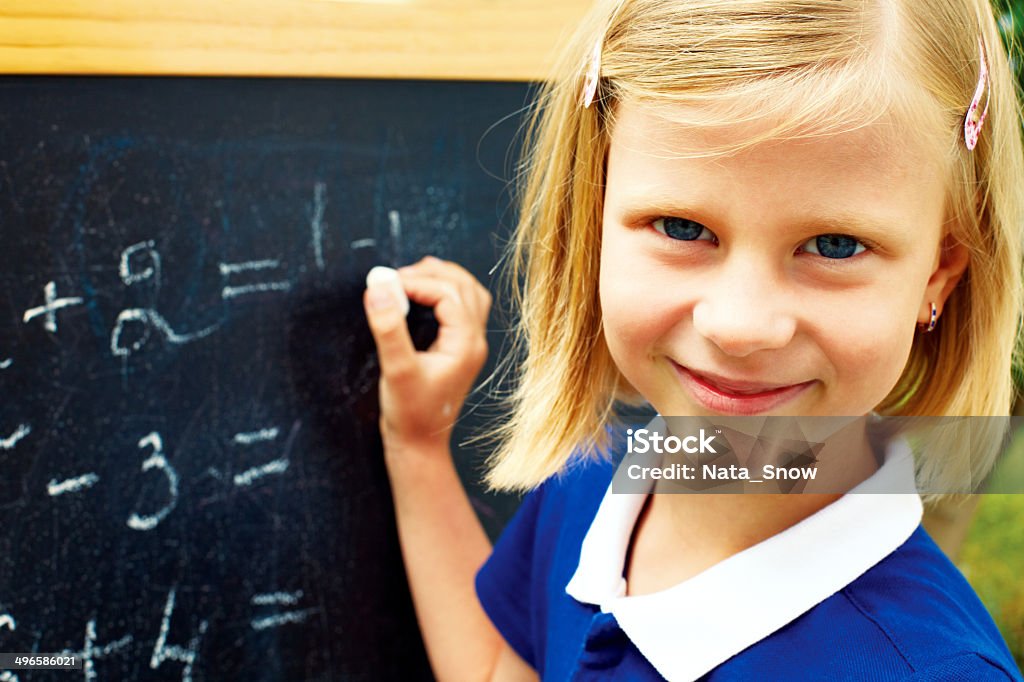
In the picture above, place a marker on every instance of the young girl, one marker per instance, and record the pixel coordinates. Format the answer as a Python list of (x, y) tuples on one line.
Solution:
[(742, 208)]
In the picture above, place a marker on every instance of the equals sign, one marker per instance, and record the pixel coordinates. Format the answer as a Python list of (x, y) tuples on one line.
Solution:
[(279, 619), (230, 270)]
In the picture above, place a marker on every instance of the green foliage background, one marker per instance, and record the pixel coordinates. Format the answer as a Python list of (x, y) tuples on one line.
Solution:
[(1010, 14), (992, 556)]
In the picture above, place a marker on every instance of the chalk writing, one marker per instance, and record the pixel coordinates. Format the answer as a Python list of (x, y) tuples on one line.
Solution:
[(156, 461), (173, 337), (89, 652), (395, 228), (317, 222), (7, 621), (6, 363), (147, 317), (278, 466), (280, 619), (12, 440), (162, 652), (126, 316), (228, 269), (262, 287), (289, 598), (129, 275), (363, 243), (71, 485), (50, 308), (247, 438)]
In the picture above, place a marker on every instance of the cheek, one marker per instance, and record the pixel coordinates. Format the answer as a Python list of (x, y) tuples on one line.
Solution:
[(616, 289), (869, 347), (619, 285), (638, 306)]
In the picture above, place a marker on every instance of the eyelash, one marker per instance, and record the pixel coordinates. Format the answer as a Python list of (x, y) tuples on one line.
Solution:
[(862, 245)]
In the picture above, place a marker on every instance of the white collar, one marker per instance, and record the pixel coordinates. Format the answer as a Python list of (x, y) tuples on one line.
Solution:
[(688, 629)]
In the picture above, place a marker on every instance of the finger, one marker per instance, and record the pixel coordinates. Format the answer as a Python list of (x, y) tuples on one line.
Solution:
[(473, 293), (395, 351), (460, 328), (430, 265), (444, 297), (463, 333)]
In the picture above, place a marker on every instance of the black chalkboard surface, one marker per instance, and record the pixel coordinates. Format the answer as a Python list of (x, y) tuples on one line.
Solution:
[(191, 484)]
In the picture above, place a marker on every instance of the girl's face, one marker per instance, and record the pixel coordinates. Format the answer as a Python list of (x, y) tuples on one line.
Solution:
[(786, 279)]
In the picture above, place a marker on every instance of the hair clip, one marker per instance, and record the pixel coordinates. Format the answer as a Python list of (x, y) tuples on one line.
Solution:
[(974, 119), (593, 75)]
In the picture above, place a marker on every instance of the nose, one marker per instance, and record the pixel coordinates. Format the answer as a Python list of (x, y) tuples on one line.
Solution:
[(743, 312)]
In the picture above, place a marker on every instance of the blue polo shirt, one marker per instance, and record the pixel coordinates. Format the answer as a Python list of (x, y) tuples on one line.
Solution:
[(857, 591)]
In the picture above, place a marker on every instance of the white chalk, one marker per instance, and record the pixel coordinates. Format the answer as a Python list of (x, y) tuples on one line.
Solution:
[(280, 619), (278, 466), (291, 598), (250, 437), (72, 485), (381, 276), (12, 440)]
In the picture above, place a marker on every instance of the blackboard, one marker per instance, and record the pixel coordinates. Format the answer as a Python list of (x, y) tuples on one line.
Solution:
[(191, 484)]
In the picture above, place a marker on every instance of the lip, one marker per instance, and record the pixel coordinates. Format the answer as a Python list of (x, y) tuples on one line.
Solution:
[(733, 396)]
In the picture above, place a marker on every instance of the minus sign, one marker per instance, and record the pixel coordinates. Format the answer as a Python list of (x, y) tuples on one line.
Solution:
[(756, 480)]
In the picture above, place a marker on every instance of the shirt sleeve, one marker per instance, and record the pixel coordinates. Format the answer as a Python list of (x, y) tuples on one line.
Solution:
[(504, 584)]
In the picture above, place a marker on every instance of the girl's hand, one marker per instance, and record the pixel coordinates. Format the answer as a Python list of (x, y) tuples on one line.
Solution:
[(422, 392)]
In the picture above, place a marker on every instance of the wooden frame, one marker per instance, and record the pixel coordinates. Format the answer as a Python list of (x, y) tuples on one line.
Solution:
[(429, 39)]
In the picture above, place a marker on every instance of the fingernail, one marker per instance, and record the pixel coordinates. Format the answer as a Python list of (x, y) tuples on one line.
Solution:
[(385, 289), (380, 298)]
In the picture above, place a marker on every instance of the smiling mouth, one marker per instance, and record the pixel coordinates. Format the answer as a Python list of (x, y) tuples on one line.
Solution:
[(737, 387), (734, 396)]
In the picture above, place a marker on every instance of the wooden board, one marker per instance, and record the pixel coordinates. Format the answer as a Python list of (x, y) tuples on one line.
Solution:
[(430, 39)]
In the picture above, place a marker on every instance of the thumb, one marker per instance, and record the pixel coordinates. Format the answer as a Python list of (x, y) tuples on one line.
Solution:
[(386, 306)]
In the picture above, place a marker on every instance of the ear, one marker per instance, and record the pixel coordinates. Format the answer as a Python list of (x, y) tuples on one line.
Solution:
[(950, 265)]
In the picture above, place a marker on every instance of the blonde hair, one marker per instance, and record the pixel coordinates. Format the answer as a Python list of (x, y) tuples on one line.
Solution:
[(827, 66)]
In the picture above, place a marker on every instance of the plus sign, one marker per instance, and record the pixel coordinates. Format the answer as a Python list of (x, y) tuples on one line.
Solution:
[(53, 304), (90, 652)]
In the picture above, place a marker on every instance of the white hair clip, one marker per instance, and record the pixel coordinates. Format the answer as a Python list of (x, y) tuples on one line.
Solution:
[(975, 118), (593, 75)]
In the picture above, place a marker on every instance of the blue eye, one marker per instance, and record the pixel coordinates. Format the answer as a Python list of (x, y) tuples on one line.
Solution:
[(682, 229), (834, 246)]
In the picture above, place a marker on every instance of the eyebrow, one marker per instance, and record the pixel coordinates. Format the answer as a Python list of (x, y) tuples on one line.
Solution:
[(847, 223), (828, 223)]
